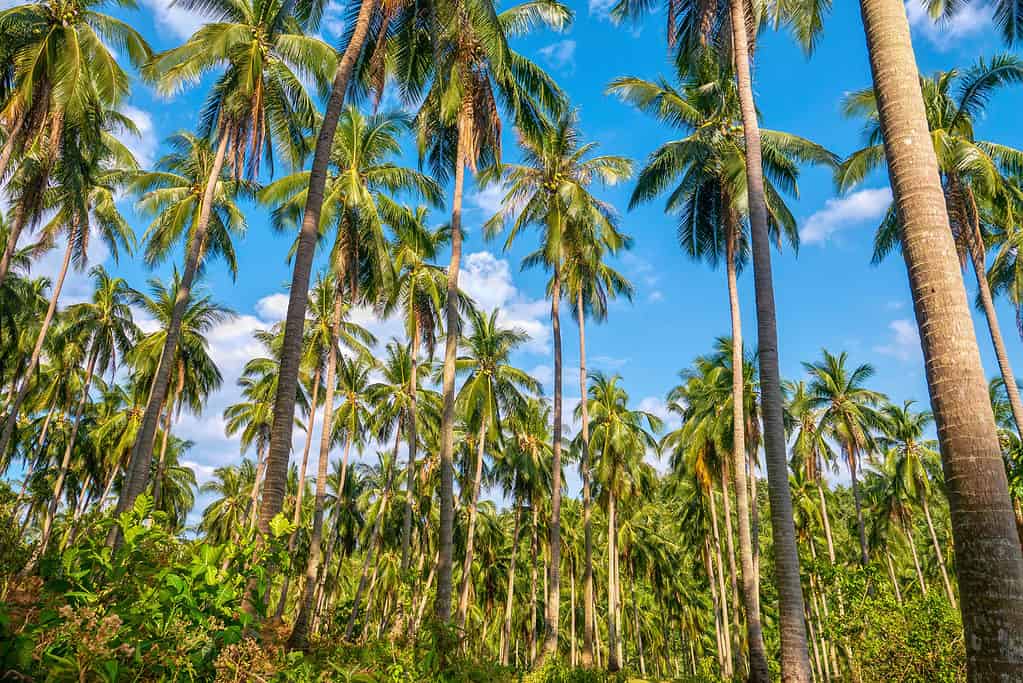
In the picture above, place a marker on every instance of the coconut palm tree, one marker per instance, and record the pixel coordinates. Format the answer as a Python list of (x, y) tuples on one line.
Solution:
[(850, 414), (493, 389), (989, 562), (475, 76), (257, 103), (971, 172), (551, 190), (61, 65)]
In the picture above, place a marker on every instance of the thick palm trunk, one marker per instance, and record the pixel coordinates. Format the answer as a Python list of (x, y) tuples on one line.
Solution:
[(795, 660), (65, 463), (413, 439), (988, 558), (758, 671), (938, 552), (17, 225), (550, 645), (725, 627), (142, 453), (37, 350), (296, 517), (463, 598), (299, 638), (860, 525), (584, 466), (445, 540), (298, 297), (613, 662), (510, 599)]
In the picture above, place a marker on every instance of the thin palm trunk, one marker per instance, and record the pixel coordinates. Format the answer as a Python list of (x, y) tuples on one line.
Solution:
[(445, 540), (37, 350), (413, 438), (891, 575), (463, 599), (613, 661), (550, 646), (857, 499), (908, 531), (257, 483), (584, 466), (321, 584), (299, 638), (298, 296), (165, 438), (532, 582), (937, 551), (989, 561), (142, 453), (296, 517), (795, 660), (636, 626), (758, 671), (827, 520), (726, 628), (510, 599), (722, 654)]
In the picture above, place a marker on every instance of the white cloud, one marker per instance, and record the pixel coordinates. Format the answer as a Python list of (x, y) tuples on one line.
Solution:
[(560, 55), (488, 280), (144, 145), (179, 21), (334, 19), (905, 341), (655, 296), (273, 306), (845, 212), (972, 19), (488, 200)]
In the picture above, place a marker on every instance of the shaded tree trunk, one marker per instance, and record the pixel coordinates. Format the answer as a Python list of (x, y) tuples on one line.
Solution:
[(988, 558)]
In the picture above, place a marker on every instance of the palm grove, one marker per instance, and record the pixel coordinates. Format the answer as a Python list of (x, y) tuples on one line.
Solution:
[(358, 510)]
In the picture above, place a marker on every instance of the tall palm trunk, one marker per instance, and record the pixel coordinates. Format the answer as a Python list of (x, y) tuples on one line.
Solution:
[(532, 580), (445, 540), (937, 551), (891, 575), (505, 649), (988, 558), (65, 463), (550, 645), (296, 517), (758, 671), (907, 529), (463, 598), (322, 582), (827, 520), (142, 453), (413, 438), (851, 455), (298, 296), (636, 625), (725, 627), (584, 466), (299, 638), (795, 659), (165, 437), (613, 662), (733, 581)]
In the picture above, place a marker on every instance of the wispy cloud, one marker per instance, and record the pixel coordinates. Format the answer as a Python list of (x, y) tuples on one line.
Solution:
[(972, 19), (560, 55), (171, 16), (842, 213), (144, 145), (904, 343)]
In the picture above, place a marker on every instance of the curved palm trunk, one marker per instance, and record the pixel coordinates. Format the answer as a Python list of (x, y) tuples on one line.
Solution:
[(445, 541), (584, 466), (413, 439), (463, 598), (550, 645), (299, 638), (12, 242), (758, 671), (613, 648), (891, 575), (938, 552), (988, 558), (298, 298), (37, 350), (505, 649), (296, 517), (795, 658), (142, 453)]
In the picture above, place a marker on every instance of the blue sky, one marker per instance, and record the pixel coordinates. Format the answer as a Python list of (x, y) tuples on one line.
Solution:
[(829, 296)]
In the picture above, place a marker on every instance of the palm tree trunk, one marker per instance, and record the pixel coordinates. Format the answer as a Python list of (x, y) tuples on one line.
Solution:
[(758, 671), (795, 660), (321, 583), (891, 575), (165, 437), (726, 628), (108, 487), (413, 439), (733, 581), (299, 638), (722, 654), (463, 599), (253, 506), (445, 540), (37, 350), (138, 472), (908, 531), (584, 466), (635, 621), (426, 595), (550, 646), (17, 225), (988, 558), (860, 526), (7, 153), (937, 551), (571, 602), (613, 663), (296, 517), (827, 521), (532, 582), (298, 297), (510, 600)]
